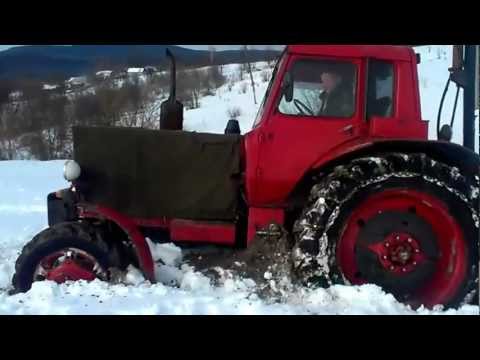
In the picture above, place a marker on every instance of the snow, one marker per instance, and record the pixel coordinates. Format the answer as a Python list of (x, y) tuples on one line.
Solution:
[(135, 70), (15, 95), (77, 80), (181, 290), (24, 186), (433, 75), (212, 116), (104, 73), (49, 87)]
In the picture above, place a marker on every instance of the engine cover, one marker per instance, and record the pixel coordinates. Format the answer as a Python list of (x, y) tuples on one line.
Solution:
[(150, 173)]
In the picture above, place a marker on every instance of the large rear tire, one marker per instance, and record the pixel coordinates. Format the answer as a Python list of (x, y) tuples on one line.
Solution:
[(64, 252), (404, 222)]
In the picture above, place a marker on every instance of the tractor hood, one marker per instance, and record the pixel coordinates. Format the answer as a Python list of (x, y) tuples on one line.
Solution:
[(150, 174)]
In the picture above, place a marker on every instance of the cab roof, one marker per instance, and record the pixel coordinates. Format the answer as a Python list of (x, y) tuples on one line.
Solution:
[(386, 52)]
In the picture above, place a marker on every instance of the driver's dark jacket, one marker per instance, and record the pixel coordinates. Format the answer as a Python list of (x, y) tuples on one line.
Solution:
[(339, 103)]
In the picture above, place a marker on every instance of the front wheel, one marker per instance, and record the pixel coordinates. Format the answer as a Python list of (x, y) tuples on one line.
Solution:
[(64, 252), (404, 222)]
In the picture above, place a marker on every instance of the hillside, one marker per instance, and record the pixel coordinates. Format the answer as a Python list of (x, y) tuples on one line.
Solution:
[(67, 61)]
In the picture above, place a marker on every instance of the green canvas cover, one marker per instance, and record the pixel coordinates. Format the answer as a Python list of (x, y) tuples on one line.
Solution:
[(151, 173)]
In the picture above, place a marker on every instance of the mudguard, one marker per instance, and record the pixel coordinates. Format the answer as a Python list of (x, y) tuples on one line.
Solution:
[(449, 153), (139, 242)]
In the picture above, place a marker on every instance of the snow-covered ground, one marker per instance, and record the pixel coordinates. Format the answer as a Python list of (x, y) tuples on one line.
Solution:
[(433, 75), (24, 186), (212, 116)]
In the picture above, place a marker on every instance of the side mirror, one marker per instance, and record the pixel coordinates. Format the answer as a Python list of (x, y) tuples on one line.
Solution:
[(446, 133), (287, 87)]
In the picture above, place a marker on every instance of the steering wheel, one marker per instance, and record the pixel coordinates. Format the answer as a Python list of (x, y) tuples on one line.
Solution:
[(302, 108)]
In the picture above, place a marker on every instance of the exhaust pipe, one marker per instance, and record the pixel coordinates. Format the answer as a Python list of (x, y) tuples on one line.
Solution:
[(173, 76), (171, 111)]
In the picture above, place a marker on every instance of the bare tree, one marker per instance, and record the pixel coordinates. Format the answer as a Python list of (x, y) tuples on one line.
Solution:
[(271, 59), (5, 90), (189, 87), (212, 50), (234, 113), (243, 88), (265, 75), (231, 84), (216, 77), (241, 72), (249, 69)]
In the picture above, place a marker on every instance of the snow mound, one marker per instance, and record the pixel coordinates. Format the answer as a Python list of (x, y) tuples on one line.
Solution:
[(196, 295)]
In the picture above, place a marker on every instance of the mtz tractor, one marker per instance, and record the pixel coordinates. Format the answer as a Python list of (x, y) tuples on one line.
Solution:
[(338, 160)]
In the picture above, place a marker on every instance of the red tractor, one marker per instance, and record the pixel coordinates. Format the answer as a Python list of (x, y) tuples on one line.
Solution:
[(338, 159)]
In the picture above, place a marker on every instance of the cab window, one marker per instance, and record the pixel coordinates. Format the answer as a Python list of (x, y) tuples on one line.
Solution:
[(321, 88), (380, 88)]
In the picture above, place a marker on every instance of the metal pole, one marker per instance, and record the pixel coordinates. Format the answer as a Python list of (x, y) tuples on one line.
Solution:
[(469, 98), (477, 91)]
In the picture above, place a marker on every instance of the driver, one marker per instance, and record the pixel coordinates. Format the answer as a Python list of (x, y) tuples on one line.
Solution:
[(337, 95)]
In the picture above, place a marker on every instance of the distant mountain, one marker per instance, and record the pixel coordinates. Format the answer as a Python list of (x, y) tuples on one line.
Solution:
[(45, 61)]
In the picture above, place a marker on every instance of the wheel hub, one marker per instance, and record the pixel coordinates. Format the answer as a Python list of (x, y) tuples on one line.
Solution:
[(405, 241), (69, 265), (399, 253), (70, 271)]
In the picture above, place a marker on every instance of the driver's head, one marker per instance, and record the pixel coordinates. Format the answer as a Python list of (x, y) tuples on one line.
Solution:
[(330, 80)]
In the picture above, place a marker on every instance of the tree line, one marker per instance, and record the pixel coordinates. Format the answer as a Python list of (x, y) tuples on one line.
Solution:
[(36, 123)]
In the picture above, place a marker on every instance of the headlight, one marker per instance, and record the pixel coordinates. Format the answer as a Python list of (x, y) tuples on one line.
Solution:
[(71, 170)]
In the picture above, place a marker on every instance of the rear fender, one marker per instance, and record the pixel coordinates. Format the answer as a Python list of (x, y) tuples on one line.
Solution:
[(449, 153), (142, 250)]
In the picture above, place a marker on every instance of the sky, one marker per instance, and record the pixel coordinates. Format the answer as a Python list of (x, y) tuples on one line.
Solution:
[(199, 47)]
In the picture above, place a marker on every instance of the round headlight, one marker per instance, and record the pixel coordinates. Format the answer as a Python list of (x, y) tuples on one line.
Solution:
[(71, 170)]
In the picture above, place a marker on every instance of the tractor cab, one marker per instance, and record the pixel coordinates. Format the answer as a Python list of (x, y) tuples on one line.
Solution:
[(345, 82), (324, 101)]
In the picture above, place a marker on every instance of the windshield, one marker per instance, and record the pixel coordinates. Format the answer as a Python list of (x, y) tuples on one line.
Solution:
[(321, 88), (269, 89), (306, 92)]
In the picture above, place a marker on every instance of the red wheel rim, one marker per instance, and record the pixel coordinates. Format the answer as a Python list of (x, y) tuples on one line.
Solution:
[(68, 265), (399, 253)]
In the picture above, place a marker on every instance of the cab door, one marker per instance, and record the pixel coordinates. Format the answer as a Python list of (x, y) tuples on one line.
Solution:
[(300, 129)]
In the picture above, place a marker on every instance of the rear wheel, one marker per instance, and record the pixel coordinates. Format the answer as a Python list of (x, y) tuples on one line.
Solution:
[(65, 252), (404, 222)]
